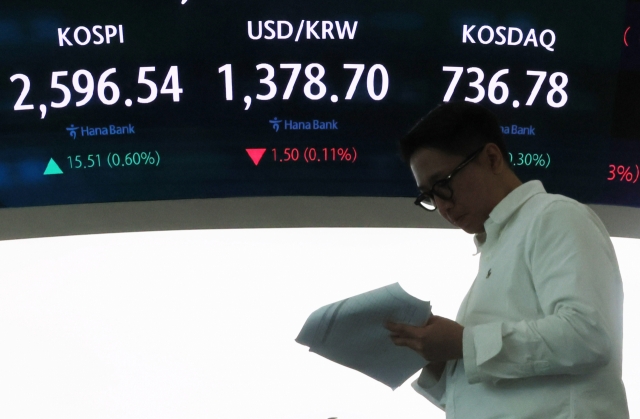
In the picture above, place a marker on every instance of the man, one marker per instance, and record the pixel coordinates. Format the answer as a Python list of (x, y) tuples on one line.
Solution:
[(539, 334)]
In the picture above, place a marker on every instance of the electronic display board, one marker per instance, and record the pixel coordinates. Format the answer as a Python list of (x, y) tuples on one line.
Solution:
[(116, 101), (109, 101)]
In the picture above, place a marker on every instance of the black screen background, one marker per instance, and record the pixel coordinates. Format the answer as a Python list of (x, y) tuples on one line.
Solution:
[(202, 139)]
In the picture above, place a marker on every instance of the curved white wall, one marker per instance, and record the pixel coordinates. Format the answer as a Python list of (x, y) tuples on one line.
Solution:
[(198, 324)]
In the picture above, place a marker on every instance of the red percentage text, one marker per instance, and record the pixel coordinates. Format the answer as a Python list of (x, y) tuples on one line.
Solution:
[(315, 155), (623, 173)]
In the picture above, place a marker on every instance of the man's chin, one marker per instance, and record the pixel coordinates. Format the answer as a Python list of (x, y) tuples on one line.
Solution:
[(470, 229), (463, 223)]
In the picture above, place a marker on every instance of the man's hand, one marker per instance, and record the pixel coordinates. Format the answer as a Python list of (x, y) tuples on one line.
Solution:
[(439, 339)]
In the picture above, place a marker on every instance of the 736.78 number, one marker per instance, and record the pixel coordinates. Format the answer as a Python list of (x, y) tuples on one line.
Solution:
[(556, 97)]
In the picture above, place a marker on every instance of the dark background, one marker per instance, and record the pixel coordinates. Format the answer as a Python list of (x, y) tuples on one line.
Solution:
[(202, 139)]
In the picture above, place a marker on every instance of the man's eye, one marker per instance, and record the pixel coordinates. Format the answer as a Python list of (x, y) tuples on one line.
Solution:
[(440, 186)]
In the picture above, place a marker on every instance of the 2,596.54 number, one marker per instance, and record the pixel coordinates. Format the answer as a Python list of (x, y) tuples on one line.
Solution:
[(108, 92)]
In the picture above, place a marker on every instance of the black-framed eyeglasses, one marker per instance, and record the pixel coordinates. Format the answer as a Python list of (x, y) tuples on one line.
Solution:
[(441, 188)]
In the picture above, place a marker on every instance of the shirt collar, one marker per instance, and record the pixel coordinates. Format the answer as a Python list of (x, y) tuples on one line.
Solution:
[(515, 200), (509, 205)]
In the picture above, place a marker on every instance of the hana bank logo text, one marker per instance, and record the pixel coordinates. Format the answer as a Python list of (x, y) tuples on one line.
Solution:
[(313, 125), (101, 131)]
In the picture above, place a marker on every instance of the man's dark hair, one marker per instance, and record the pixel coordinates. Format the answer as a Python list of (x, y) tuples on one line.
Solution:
[(456, 128)]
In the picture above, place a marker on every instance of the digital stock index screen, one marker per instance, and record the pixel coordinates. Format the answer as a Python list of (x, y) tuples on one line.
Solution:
[(114, 101), (154, 109)]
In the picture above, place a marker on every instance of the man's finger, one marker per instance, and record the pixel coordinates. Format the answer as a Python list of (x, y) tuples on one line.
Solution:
[(403, 329), (410, 343)]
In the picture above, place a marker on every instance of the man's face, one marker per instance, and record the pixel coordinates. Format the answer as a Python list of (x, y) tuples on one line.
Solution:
[(472, 200)]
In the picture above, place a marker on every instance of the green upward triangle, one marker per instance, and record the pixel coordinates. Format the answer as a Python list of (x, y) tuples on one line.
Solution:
[(52, 168)]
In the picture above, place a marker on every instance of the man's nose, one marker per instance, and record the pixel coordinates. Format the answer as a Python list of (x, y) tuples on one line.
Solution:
[(444, 206)]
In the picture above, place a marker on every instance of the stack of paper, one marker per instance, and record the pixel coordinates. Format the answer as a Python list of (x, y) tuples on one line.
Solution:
[(351, 332)]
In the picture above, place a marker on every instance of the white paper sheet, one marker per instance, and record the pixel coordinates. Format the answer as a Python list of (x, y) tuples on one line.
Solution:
[(351, 332)]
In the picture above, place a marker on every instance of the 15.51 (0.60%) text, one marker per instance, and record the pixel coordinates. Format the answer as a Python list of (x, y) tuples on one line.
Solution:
[(114, 160)]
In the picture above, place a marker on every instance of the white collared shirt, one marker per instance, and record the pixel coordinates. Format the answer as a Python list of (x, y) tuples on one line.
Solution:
[(543, 318)]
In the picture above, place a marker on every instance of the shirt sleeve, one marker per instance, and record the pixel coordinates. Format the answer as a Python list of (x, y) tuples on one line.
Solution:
[(431, 387), (575, 275)]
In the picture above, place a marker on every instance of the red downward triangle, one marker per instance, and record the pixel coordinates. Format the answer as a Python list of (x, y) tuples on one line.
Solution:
[(256, 154)]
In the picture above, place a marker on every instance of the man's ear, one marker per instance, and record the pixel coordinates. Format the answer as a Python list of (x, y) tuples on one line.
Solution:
[(495, 158)]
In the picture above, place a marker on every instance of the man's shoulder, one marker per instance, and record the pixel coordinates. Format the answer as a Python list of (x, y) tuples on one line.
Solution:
[(531, 199), (559, 212), (545, 202)]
